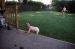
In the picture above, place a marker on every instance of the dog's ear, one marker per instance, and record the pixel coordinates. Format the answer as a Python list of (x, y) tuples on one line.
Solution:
[(28, 24)]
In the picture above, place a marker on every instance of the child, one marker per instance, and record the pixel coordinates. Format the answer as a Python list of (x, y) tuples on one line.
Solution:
[(30, 28), (64, 10), (2, 21)]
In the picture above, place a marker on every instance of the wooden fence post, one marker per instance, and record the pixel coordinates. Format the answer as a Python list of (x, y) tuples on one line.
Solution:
[(17, 24)]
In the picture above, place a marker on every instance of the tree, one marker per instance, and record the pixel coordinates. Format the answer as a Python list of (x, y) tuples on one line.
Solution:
[(25, 1)]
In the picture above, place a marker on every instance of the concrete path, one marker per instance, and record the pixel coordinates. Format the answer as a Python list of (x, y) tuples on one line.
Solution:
[(17, 39)]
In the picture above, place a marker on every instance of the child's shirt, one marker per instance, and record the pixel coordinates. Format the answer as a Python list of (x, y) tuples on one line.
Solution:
[(2, 21)]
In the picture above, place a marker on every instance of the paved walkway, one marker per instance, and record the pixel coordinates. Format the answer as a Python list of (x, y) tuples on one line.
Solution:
[(16, 39)]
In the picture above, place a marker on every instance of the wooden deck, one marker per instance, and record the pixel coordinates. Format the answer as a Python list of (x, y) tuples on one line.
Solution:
[(17, 39)]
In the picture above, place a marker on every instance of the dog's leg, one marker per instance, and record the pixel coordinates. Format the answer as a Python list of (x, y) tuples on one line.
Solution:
[(37, 33)]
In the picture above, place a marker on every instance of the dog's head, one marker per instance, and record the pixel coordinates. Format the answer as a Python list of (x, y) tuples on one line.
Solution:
[(28, 24)]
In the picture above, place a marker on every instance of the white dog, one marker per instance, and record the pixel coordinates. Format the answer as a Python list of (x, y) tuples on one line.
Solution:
[(32, 29)]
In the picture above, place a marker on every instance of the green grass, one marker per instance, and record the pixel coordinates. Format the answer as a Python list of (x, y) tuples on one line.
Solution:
[(51, 24)]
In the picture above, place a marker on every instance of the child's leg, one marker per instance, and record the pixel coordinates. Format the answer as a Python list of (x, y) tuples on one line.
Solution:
[(1, 27), (63, 13)]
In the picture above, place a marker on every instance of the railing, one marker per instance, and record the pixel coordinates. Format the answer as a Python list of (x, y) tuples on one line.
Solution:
[(11, 15)]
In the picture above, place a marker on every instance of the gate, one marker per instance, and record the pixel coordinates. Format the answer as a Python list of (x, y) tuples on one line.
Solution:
[(11, 12), (11, 15)]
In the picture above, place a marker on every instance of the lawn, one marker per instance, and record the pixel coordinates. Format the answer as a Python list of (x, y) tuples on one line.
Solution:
[(51, 24)]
